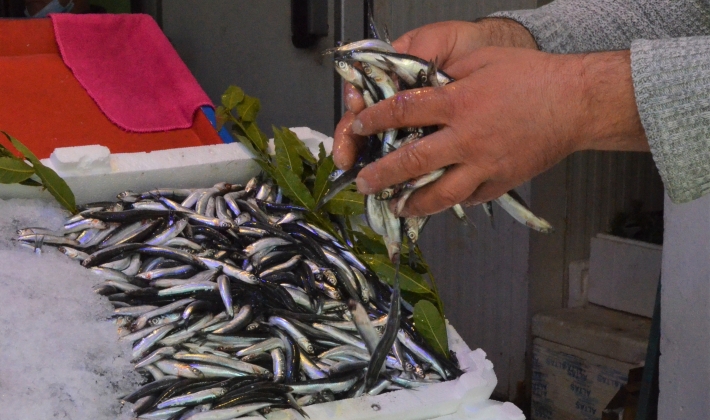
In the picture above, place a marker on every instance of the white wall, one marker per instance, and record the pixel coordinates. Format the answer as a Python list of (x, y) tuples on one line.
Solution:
[(685, 312)]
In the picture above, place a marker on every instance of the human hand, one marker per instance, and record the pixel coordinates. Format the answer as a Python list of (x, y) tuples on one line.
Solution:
[(511, 114), (448, 43)]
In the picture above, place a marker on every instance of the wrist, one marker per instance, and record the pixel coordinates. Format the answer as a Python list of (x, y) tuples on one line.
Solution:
[(504, 32), (610, 115)]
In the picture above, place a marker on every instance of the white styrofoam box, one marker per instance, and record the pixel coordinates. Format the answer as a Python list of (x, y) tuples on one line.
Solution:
[(624, 273), (93, 176), (487, 410), (569, 384), (83, 160)]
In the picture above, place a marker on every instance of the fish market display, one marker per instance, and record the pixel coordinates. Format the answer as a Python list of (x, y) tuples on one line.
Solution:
[(234, 303), (379, 72)]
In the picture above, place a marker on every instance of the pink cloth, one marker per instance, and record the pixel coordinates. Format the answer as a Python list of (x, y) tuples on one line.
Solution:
[(127, 65)]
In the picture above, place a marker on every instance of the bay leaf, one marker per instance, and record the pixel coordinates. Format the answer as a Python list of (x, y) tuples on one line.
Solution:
[(430, 324), (4, 152), (325, 168), (222, 116), (286, 155), (409, 280), (56, 186), (368, 245), (14, 170), (50, 180), (298, 145), (346, 203), (232, 97), (257, 136), (293, 187), (321, 153), (250, 146), (248, 108)]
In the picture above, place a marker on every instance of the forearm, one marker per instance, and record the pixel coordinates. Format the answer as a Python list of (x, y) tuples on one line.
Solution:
[(611, 119), (505, 32), (575, 26)]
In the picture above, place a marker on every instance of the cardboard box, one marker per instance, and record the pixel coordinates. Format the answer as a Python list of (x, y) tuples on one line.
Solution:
[(571, 384)]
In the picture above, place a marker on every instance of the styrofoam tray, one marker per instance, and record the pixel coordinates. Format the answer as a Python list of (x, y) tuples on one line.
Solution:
[(94, 174)]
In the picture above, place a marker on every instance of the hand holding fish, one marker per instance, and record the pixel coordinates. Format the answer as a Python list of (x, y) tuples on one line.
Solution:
[(511, 114), (446, 42)]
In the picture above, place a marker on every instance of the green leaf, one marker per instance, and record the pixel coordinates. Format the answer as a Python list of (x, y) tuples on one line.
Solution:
[(367, 245), (257, 136), (286, 155), (4, 152), (248, 108), (298, 145), (250, 146), (14, 170), (22, 148), (50, 180), (222, 116), (293, 187), (409, 280), (430, 324), (56, 186), (320, 188), (232, 97), (321, 153), (346, 203)]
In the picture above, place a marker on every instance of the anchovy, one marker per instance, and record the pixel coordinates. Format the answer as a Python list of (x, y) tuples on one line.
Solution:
[(223, 361), (241, 319), (260, 300)]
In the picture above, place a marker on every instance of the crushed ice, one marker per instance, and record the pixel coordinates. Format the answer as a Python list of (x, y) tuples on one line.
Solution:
[(59, 356)]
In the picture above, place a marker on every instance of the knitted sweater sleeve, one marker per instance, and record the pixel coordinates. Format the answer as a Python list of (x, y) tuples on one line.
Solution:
[(670, 67)]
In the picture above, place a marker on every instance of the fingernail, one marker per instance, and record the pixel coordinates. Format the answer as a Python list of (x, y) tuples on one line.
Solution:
[(362, 186), (349, 98), (357, 126)]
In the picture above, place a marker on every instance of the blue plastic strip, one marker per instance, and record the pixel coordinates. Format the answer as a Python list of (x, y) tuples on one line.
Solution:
[(223, 133)]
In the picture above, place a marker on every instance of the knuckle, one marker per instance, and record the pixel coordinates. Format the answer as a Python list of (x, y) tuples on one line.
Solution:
[(447, 196), (449, 102), (413, 161), (400, 107)]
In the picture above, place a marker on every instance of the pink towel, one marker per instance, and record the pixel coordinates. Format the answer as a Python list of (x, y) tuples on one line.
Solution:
[(129, 68)]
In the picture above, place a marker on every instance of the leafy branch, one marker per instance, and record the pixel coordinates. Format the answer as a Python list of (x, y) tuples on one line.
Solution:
[(20, 170), (304, 179)]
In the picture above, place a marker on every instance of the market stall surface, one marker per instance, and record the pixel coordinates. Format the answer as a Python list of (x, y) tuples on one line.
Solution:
[(59, 357)]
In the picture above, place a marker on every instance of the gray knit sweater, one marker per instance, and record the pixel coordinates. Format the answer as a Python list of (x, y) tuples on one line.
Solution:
[(670, 65)]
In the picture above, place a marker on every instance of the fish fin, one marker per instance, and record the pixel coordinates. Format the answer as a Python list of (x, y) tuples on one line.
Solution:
[(294, 404)]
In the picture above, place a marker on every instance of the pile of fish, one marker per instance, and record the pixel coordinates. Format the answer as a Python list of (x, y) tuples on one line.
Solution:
[(235, 304), (379, 72)]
